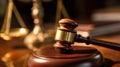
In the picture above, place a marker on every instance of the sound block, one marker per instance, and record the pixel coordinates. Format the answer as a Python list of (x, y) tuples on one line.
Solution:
[(81, 56)]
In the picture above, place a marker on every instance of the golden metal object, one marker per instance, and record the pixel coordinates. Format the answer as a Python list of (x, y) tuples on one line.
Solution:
[(6, 33), (65, 36), (34, 39), (14, 33)]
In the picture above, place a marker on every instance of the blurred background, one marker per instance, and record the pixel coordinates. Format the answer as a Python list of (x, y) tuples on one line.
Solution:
[(78, 9), (81, 10), (100, 18)]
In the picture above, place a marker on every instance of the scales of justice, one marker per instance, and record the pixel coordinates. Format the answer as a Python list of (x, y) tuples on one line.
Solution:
[(6, 32), (63, 53)]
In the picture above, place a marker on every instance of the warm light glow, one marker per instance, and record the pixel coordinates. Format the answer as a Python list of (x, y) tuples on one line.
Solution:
[(35, 11), (40, 60), (83, 33), (6, 57), (97, 56), (36, 29), (23, 31), (18, 32), (36, 21), (14, 33), (4, 36)]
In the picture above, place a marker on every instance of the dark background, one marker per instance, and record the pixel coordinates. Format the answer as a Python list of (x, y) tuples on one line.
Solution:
[(77, 9)]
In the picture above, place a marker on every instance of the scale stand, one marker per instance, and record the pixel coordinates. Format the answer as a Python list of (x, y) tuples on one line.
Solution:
[(35, 38)]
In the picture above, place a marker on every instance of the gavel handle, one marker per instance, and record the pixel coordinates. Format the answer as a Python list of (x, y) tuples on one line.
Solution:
[(111, 45), (106, 44)]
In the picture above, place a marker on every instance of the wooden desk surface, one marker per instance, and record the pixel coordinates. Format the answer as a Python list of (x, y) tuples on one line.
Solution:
[(6, 46), (107, 53), (111, 54)]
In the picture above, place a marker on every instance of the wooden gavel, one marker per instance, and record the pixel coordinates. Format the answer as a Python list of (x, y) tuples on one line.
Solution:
[(63, 54), (66, 36)]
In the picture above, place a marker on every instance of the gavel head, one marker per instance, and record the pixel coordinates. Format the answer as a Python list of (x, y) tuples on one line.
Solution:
[(67, 24), (65, 34)]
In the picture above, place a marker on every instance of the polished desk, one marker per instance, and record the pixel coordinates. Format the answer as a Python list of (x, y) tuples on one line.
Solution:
[(110, 54)]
